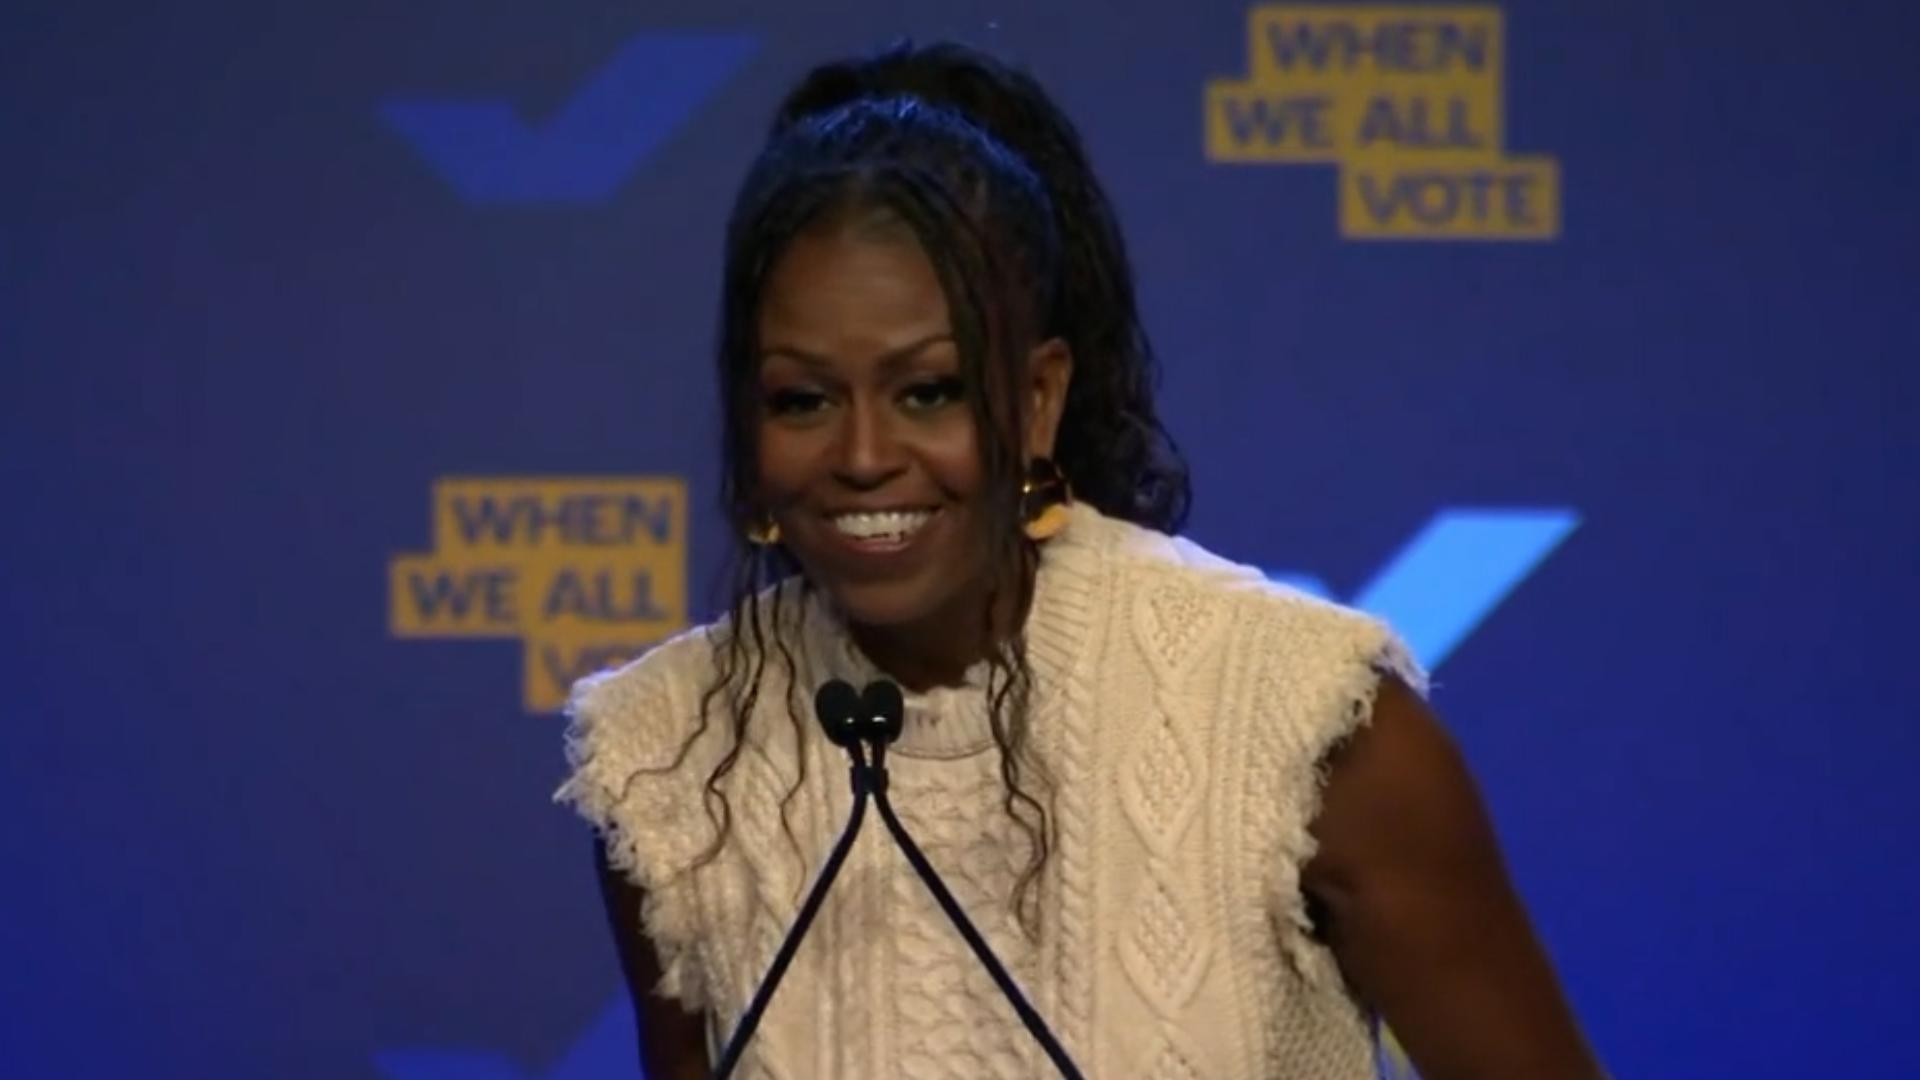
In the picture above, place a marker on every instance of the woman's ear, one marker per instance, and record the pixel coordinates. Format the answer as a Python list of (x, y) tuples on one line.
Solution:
[(1049, 371)]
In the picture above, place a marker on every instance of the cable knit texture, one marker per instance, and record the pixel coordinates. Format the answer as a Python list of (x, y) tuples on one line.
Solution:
[(1184, 707)]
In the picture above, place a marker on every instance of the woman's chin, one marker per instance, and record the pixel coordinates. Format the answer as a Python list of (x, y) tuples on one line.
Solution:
[(883, 607)]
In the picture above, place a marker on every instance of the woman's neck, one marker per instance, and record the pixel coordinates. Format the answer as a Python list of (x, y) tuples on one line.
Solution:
[(940, 649)]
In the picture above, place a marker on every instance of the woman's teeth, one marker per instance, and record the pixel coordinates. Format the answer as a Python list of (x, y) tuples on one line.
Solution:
[(892, 525)]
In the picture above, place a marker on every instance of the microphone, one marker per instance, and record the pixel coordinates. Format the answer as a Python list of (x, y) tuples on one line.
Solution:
[(882, 717), (837, 705)]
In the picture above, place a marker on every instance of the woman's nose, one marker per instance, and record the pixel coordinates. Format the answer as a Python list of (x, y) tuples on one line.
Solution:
[(870, 452)]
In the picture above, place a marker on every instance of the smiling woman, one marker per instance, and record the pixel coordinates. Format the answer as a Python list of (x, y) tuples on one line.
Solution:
[(867, 454), (1208, 821), (866, 440)]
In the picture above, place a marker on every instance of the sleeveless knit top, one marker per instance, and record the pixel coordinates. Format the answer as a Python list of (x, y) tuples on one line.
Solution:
[(1182, 708)]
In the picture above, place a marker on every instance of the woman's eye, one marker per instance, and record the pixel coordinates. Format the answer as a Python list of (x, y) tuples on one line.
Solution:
[(795, 402), (934, 393)]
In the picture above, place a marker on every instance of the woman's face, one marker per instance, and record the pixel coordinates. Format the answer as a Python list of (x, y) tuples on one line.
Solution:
[(869, 460)]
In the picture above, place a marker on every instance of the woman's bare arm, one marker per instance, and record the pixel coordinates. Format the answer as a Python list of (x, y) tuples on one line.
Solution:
[(673, 1044), (1423, 919)]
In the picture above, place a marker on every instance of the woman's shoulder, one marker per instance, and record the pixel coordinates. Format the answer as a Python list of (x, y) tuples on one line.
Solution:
[(679, 668), (630, 721), (636, 735), (655, 678), (1173, 579)]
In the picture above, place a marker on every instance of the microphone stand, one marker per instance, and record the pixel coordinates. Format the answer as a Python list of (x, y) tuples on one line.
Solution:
[(861, 777), (884, 727), (864, 724)]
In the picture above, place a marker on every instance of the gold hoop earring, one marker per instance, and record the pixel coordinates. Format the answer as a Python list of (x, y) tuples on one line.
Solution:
[(764, 533), (1045, 496)]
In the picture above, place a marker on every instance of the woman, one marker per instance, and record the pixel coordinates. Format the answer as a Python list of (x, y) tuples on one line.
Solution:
[(1208, 822)]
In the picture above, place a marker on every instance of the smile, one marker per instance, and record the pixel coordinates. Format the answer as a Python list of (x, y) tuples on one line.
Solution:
[(884, 527)]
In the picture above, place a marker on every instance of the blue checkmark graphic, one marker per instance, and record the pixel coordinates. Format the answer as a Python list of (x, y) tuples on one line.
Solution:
[(1452, 575), (651, 87)]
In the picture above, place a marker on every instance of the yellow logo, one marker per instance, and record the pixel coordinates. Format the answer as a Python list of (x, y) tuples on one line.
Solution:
[(585, 572), (1407, 101)]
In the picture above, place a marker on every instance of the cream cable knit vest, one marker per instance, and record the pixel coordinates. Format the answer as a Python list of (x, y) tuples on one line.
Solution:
[(1182, 705)]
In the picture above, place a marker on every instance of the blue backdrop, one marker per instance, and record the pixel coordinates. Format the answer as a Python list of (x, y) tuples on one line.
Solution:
[(1589, 358)]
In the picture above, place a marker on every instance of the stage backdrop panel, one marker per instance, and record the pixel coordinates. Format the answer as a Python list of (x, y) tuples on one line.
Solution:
[(356, 399)]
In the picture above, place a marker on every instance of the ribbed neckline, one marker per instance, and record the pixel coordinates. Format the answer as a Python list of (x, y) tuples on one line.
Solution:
[(955, 721)]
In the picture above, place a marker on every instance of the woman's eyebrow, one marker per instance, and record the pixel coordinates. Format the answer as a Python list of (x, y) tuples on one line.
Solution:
[(890, 361)]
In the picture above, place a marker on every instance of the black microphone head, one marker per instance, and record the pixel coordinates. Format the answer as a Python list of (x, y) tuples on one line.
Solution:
[(883, 711), (837, 705)]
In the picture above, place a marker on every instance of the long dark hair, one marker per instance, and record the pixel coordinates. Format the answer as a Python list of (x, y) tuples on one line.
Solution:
[(990, 178)]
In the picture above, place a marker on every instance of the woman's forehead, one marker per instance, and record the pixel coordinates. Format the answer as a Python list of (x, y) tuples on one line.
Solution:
[(837, 287)]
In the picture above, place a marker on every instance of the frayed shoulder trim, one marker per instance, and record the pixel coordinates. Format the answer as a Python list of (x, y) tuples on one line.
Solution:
[(1339, 657), (630, 746)]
